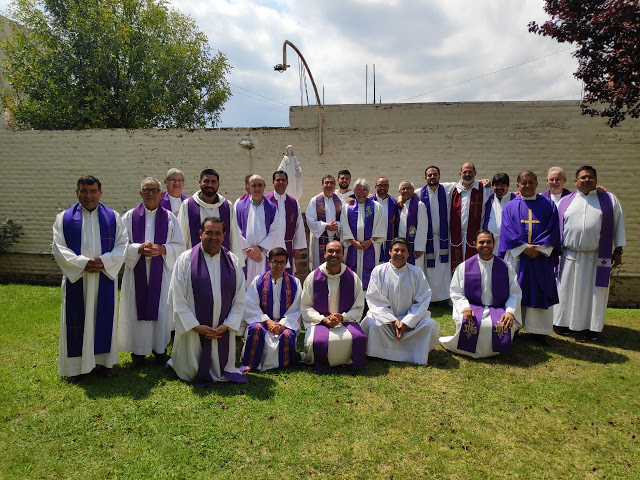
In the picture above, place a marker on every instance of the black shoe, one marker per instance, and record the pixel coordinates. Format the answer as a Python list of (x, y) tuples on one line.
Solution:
[(137, 361), (543, 340), (562, 331), (160, 358), (591, 336), (105, 372)]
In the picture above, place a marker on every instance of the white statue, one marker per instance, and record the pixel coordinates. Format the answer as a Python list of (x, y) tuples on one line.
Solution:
[(291, 166)]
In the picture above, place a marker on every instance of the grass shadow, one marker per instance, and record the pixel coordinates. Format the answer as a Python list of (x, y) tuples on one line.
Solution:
[(135, 384), (620, 337), (443, 359), (569, 348), (257, 387)]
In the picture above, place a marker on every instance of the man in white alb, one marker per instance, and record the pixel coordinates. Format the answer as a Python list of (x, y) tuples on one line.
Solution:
[(344, 180), (172, 198), (411, 222), (323, 220), (398, 324), (496, 202)]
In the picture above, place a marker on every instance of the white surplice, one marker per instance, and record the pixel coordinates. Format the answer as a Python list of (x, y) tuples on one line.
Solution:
[(465, 193), (317, 227), (344, 196), (399, 294), (379, 229), (582, 305), (439, 276), (339, 337), (257, 236), (291, 166), (185, 355), (495, 218), (484, 347), (299, 238), (421, 231), (212, 210), (143, 337), (72, 267), (176, 203), (253, 313)]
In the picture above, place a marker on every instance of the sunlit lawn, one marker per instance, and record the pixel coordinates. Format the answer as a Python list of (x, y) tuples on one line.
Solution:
[(569, 411)]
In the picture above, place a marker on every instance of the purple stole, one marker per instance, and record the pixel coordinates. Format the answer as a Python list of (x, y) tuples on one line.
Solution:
[(368, 255), (256, 331), (74, 298), (242, 213), (203, 301), (391, 226), (470, 331), (194, 221), (488, 209), (547, 194), (412, 227), (165, 202), (291, 221), (321, 332), (605, 247), (321, 214), (444, 226), (148, 292)]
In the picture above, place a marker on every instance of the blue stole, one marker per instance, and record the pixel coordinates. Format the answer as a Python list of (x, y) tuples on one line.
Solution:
[(74, 300)]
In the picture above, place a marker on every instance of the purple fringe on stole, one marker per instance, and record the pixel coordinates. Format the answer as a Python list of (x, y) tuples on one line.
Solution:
[(74, 301), (254, 346), (148, 293)]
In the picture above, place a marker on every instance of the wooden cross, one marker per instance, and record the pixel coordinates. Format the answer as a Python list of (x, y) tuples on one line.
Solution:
[(531, 221)]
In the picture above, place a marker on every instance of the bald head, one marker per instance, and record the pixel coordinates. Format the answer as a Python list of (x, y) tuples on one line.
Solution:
[(256, 188)]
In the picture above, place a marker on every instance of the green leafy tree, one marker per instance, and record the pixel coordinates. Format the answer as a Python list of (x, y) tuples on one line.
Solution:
[(607, 37), (110, 64)]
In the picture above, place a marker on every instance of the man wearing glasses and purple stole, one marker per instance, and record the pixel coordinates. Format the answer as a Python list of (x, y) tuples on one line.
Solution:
[(207, 298), (172, 198), (273, 315), (154, 246), (89, 243), (486, 303), (332, 304)]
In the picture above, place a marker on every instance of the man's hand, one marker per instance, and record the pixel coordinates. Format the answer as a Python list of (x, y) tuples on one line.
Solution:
[(333, 320), (467, 313), (531, 251), (254, 253), (399, 328), (94, 265), (418, 254), (296, 253), (350, 201), (275, 328), (486, 183), (366, 244), (616, 259), (220, 331), (150, 249), (356, 244), (506, 320), (207, 332), (333, 226), (400, 202), (600, 189)]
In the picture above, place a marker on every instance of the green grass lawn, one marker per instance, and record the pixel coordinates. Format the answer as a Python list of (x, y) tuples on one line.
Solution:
[(569, 411)]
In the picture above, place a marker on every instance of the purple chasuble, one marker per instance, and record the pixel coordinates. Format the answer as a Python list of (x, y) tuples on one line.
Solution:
[(165, 201), (321, 214), (470, 331), (321, 332), (533, 222), (256, 331), (412, 227), (203, 301), (444, 226), (148, 290), (605, 246), (291, 221), (488, 210), (368, 255), (194, 221), (392, 213), (74, 298)]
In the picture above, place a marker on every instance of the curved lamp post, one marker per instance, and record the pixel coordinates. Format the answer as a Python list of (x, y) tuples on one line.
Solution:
[(282, 67)]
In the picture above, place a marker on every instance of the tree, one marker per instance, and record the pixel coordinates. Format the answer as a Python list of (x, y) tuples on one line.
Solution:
[(607, 35), (110, 64)]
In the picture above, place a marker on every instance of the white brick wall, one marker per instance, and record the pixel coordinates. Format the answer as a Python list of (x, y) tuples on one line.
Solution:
[(39, 168)]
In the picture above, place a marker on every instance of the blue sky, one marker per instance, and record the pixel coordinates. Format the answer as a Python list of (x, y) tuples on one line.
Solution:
[(418, 47)]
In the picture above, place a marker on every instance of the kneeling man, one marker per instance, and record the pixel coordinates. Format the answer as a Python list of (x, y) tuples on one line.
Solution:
[(486, 303), (398, 325), (207, 298), (273, 315), (331, 305)]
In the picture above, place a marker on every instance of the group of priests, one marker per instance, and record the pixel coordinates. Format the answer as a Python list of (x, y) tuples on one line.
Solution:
[(205, 271)]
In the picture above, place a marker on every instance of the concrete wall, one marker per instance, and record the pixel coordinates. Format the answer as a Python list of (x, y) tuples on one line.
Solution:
[(39, 168)]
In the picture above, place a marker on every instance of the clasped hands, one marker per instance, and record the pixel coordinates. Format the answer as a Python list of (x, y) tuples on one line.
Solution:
[(333, 320), (150, 249), (211, 333), (94, 265), (275, 328), (506, 319), (332, 226), (254, 253)]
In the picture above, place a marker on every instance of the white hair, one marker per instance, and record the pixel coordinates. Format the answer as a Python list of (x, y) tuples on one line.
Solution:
[(150, 179), (556, 169), (171, 171), (406, 181), (363, 182)]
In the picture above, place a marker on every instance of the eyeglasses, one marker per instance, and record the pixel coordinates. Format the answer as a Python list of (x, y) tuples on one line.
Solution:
[(175, 180), (383, 185), (150, 191), (257, 185), (277, 262)]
